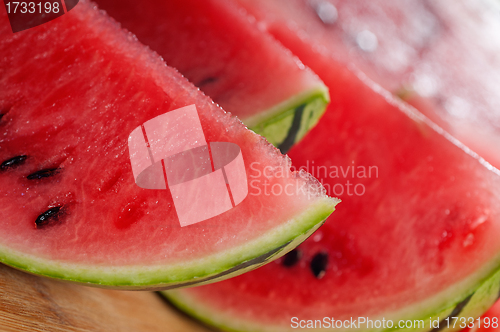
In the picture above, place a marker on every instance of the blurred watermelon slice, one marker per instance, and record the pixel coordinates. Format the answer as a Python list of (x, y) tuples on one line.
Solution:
[(446, 51), (218, 48), (418, 239)]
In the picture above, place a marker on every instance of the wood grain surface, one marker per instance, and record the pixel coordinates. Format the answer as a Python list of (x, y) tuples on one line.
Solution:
[(31, 303)]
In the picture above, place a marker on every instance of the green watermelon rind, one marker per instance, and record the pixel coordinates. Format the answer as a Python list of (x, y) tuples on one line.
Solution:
[(203, 270), (276, 124), (477, 294)]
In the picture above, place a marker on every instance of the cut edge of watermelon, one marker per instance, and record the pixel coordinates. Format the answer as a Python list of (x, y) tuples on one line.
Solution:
[(218, 266), (481, 291), (289, 121)]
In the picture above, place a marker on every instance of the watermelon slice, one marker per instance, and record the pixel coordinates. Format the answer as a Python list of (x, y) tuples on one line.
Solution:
[(72, 91), (416, 240), (445, 51), (221, 51)]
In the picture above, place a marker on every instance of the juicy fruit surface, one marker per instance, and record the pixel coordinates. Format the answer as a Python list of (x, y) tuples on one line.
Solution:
[(420, 239), (218, 48), (71, 92)]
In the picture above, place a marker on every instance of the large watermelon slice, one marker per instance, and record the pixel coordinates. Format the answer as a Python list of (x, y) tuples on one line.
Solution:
[(218, 48), (71, 92), (415, 242)]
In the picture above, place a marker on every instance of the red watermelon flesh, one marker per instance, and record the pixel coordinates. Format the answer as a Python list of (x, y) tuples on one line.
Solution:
[(445, 51), (71, 92), (218, 48), (418, 239)]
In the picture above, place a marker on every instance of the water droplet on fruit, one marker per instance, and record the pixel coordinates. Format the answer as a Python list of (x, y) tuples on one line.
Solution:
[(318, 236), (292, 258), (479, 221), (300, 64), (367, 41), (326, 12), (319, 264), (469, 240), (425, 84), (458, 107)]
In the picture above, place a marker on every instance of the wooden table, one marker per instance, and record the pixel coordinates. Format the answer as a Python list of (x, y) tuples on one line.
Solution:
[(30, 303)]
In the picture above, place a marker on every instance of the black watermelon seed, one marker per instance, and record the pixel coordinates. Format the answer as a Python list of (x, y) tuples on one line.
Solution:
[(44, 173), (319, 264), (48, 216), (207, 81), (291, 258), (13, 162), (4, 110)]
